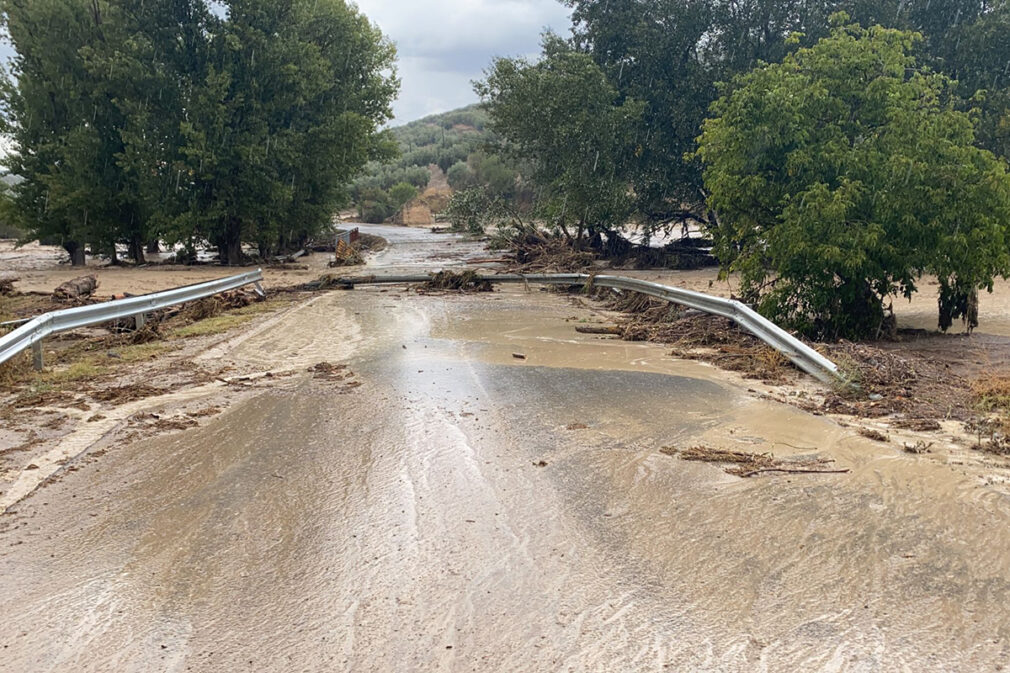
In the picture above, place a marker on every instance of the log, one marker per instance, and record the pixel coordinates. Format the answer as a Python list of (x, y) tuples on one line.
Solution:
[(76, 288), (598, 329)]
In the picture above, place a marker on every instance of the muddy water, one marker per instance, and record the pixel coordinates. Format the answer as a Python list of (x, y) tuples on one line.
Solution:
[(452, 514)]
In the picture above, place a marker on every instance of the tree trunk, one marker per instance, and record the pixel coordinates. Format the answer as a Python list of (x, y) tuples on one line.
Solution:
[(76, 288), (76, 251), (137, 250), (153, 246), (230, 247)]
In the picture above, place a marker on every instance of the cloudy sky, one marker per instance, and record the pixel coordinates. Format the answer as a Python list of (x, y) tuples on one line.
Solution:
[(443, 45)]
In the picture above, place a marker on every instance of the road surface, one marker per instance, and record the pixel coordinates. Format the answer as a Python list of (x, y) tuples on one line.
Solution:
[(465, 510)]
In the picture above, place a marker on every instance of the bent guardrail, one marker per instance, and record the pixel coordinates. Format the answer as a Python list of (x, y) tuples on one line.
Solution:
[(33, 332), (800, 354)]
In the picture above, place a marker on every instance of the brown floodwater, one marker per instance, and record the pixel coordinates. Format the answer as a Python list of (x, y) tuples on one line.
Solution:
[(465, 510)]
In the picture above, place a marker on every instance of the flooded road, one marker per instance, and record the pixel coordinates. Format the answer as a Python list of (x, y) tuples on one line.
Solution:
[(465, 510)]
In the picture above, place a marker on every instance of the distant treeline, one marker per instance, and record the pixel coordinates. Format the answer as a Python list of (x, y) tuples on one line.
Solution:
[(136, 121)]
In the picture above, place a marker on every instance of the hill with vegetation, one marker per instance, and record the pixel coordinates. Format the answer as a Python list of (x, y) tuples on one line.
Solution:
[(456, 144)]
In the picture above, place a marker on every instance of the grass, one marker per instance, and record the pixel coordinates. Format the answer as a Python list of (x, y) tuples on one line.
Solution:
[(84, 370), (226, 321), (215, 325), (89, 359), (144, 352), (991, 393)]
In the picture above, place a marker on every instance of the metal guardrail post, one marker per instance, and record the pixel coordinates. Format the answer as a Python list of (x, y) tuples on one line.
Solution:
[(38, 361)]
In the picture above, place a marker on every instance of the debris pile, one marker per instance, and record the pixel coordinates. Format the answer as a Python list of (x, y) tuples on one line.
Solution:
[(465, 281), (534, 252), (747, 464), (694, 335)]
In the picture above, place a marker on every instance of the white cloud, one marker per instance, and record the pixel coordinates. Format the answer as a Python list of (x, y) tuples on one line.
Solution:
[(445, 44)]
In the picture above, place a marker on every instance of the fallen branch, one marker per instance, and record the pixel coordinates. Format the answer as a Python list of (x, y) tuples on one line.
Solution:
[(599, 329), (746, 464), (751, 473)]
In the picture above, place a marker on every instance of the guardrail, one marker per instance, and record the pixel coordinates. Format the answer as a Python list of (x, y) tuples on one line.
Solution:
[(33, 332), (800, 354)]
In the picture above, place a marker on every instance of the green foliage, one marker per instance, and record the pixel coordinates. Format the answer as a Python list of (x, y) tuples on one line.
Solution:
[(563, 117), (842, 174), (443, 140), (474, 209), (400, 193), (460, 143), (374, 205), (139, 120), (670, 54), (460, 176)]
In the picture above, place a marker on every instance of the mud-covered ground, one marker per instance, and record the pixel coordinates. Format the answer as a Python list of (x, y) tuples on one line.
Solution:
[(378, 480)]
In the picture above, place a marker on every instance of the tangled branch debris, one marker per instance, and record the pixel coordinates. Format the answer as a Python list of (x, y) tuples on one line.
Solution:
[(746, 464), (533, 252), (694, 335), (875, 435), (465, 281), (914, 389)]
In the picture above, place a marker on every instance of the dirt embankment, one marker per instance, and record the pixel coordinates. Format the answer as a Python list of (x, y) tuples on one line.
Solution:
[(422, 209)]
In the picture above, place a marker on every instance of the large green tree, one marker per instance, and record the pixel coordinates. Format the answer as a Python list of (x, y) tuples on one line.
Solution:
[(842, 174), (64, 123), (670, 54), (563, 118), (287, 111), (135, 120)]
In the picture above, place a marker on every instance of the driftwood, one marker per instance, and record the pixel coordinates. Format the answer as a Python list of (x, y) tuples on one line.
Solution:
[(598, 329), (76, 288)]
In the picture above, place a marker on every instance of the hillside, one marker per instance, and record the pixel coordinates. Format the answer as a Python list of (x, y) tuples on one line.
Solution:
[(451, 149)]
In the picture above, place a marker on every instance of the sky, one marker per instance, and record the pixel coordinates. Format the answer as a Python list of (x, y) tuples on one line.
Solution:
[(443, 45)]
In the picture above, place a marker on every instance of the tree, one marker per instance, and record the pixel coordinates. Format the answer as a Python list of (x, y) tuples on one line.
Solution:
[(63, 126), (374, 206), (288, 110), (401, 193), (670, 54), (474, 209), (562, 116), (135, 120), (842, 174)]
